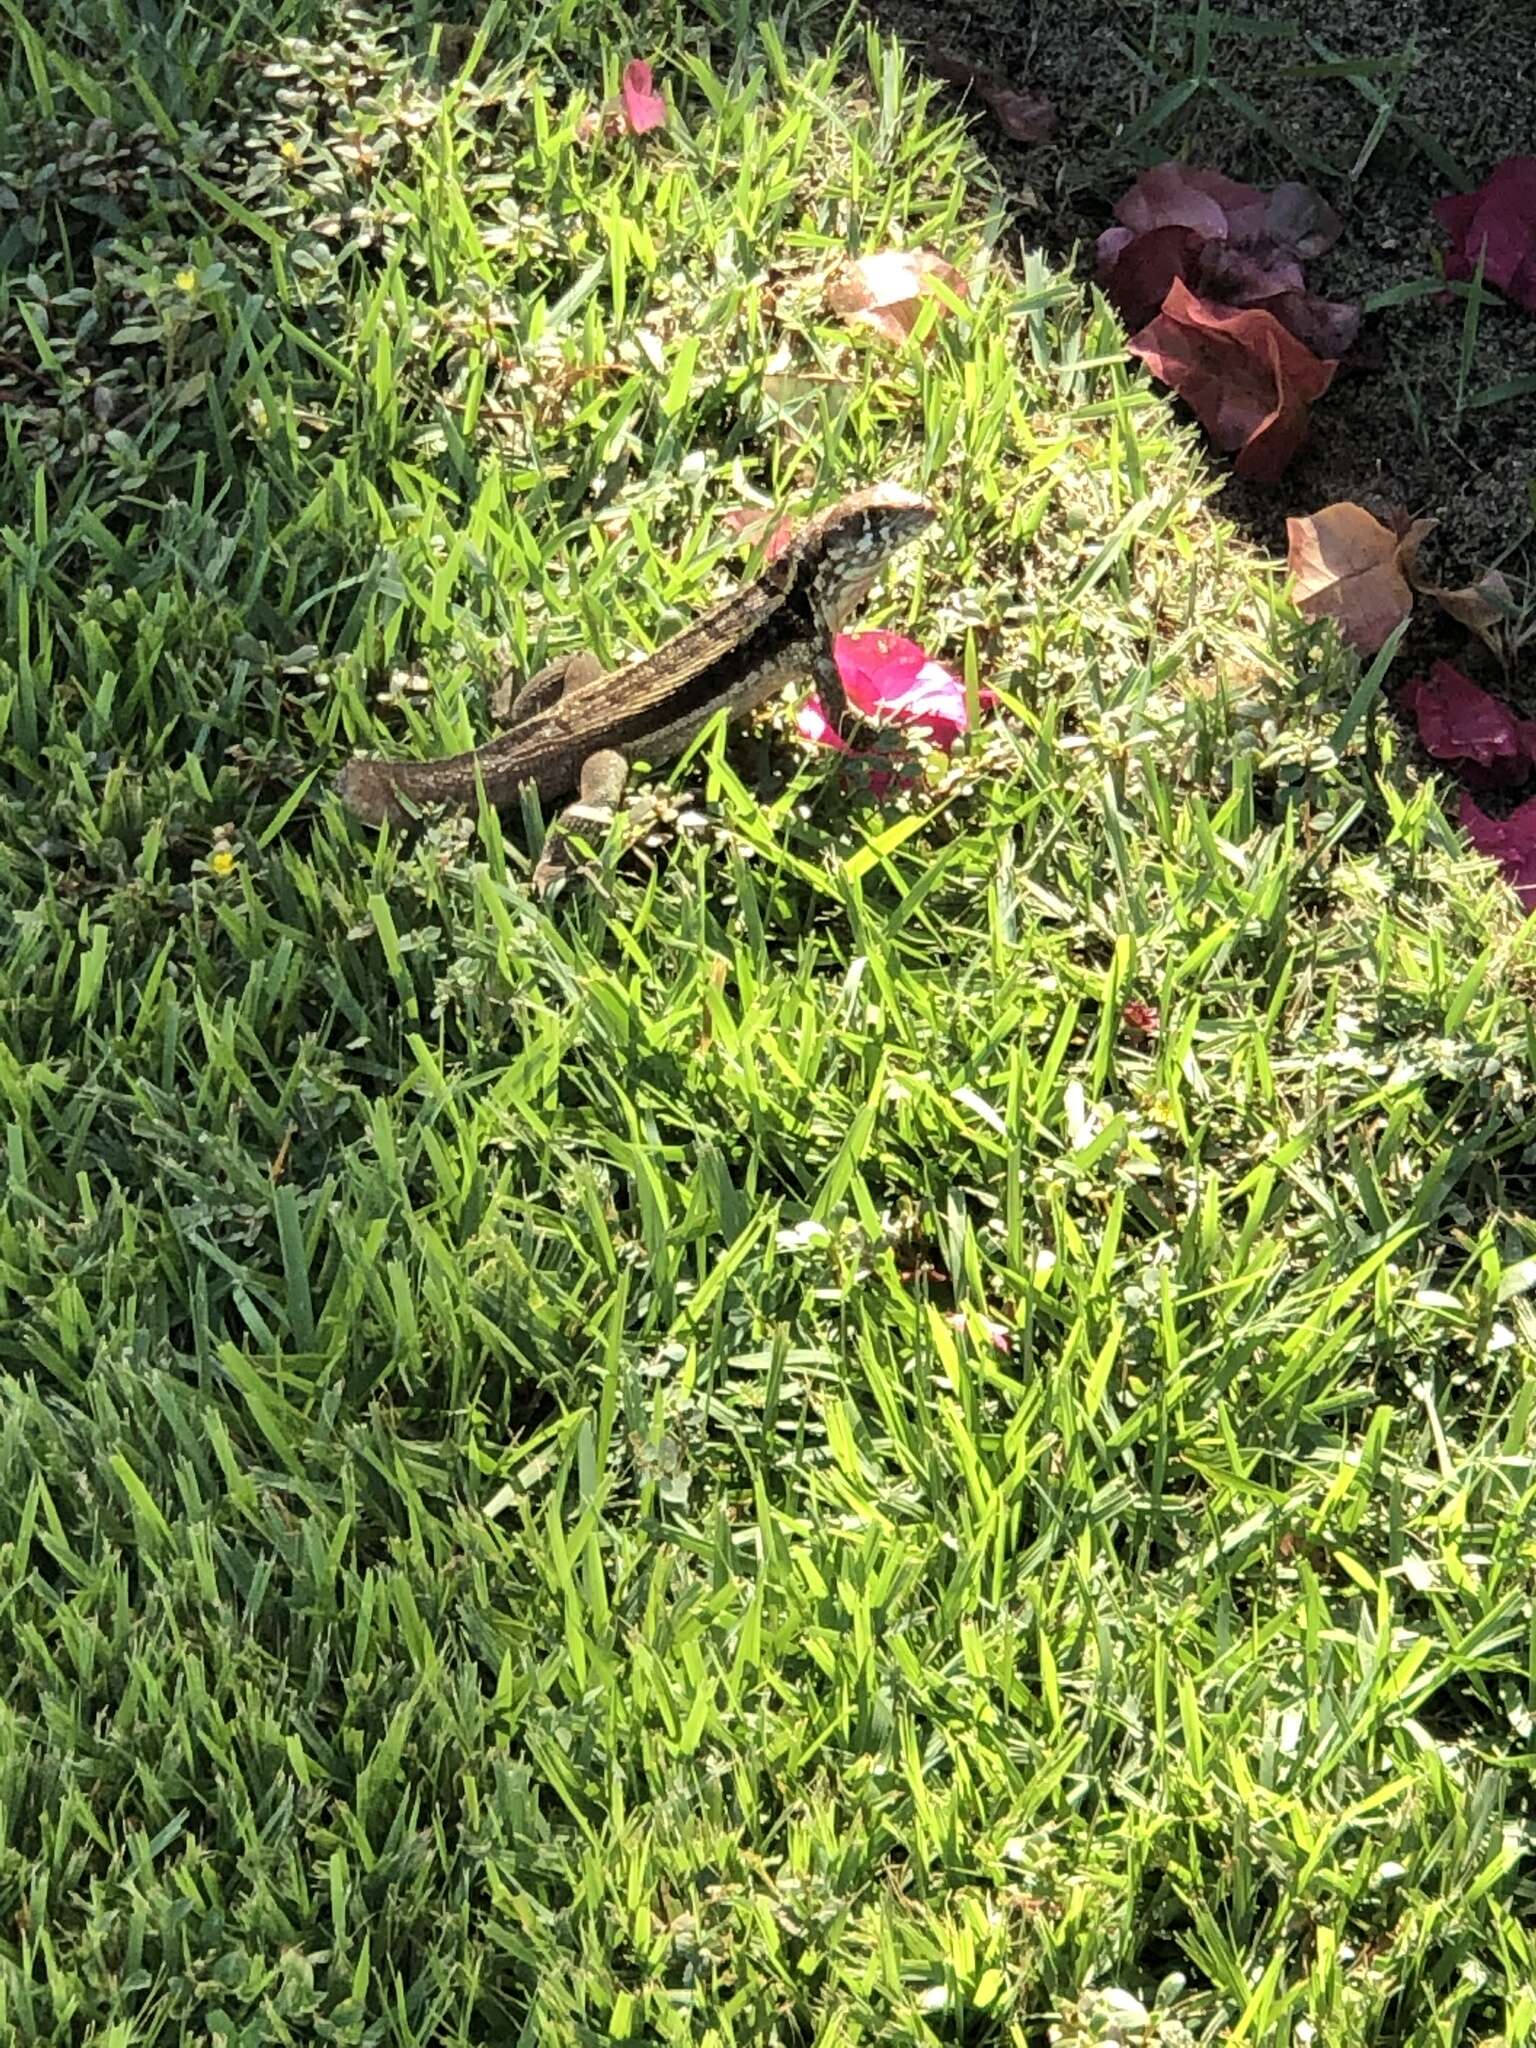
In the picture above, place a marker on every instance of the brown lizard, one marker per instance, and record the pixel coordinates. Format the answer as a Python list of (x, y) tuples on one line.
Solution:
[(575, 728)]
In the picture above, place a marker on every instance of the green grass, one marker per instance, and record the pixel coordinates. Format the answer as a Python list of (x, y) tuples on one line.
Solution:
[(512, 1526), (1205, 61)]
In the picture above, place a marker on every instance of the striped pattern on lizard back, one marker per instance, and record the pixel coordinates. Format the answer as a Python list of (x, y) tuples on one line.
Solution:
[(649, 711), (742, 651)]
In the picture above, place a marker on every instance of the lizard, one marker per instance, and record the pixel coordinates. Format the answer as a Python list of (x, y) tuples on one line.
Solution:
[(575, 728)]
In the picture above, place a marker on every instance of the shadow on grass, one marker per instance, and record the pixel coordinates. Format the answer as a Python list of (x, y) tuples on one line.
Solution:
[(1383, 108)]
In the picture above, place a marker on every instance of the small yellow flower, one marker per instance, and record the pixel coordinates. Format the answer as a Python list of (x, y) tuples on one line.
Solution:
[(186, 280), (288, 150), (222, 860)]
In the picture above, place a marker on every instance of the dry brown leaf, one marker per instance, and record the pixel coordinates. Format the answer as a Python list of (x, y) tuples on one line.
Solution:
[(1345, 565), (1244, 376), (1482, 607), (1022, 116), (885, 291)]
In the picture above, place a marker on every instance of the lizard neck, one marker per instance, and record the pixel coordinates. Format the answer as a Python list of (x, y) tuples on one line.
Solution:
[(836, 584)]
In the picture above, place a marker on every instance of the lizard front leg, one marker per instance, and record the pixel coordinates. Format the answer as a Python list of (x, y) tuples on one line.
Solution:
[(830, 693), (600, 792)]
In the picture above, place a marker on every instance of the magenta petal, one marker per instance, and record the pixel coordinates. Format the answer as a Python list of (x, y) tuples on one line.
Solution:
[(1458, 721), (1135, 270), (1497, 225), (1456, 212), (1326, 326), (892, 679), (1486, 834), (751, 522), (1109, 246), (1243, 278), (1247, 379), (876, 667), (812, 724), (996, 1333), (643, 108), (1299, 221), (936, 703), (1172, 195), (1510, 841)]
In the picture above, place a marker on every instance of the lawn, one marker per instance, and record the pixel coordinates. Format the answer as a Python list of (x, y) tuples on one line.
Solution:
[(910, 1422)]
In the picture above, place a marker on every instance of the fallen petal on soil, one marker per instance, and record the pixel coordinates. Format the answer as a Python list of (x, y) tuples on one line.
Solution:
[(1247, 379)]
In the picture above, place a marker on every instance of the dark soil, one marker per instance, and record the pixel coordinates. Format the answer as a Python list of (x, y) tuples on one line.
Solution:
[(1387, 432)]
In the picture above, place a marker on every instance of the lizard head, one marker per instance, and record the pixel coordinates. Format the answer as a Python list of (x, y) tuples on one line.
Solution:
[(840, 552)]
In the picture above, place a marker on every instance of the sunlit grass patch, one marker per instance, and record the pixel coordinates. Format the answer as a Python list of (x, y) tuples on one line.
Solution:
[(518, 1522)]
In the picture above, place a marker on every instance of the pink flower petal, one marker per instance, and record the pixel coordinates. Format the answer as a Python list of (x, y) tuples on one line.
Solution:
[(1326, 326), (1226, 243), (996, 1333), (1172, 195), (1497, 222), (1299, 222), (752, 522), (1458, 721), (1510, 841), (644, 109), (812, 724), (877, 668), (1242, 277), (890, 680), (887, 677), (1135, 270)]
